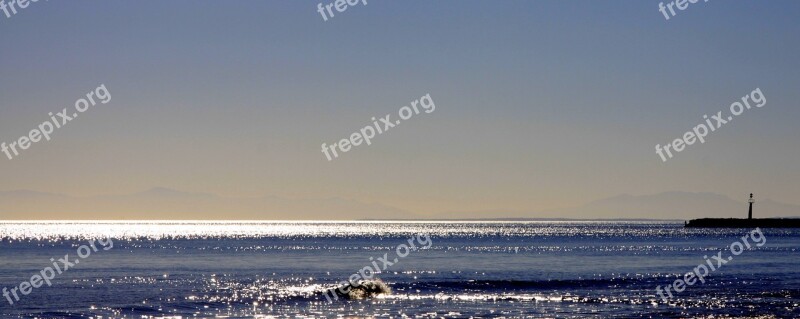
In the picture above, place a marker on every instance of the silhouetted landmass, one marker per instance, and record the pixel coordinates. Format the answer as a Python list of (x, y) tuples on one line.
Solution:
[(522, 219), (744, 223)]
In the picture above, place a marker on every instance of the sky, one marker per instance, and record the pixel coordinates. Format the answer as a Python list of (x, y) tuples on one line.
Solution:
[(540, 105)]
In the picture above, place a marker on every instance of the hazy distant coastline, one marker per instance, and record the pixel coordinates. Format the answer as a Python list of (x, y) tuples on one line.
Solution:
[(164, 203)]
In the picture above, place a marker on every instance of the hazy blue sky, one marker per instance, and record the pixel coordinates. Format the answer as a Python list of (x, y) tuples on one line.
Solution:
[(540, 104)]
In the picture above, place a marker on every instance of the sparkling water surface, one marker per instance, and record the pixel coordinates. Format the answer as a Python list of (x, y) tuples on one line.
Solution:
[(470, 270)]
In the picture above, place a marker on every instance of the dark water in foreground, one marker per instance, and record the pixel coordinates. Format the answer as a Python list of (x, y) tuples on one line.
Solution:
[(487, 270)]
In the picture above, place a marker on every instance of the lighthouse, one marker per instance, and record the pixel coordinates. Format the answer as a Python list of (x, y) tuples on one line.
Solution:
[(751, 201)]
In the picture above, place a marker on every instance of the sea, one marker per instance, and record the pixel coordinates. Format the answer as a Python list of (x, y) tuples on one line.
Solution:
[(430, 269)]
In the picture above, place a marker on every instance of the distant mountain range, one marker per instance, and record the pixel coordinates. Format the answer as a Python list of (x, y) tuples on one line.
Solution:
[(664, 206), (681, 205), (169, 204)]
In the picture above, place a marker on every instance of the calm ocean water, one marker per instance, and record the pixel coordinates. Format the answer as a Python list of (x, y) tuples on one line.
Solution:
[(471, 269)]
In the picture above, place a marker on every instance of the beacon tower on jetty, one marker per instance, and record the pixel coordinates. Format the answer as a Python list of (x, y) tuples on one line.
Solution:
[(745, 223)]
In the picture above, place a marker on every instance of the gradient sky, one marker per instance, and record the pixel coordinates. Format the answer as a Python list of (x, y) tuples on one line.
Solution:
[(540, 104)]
